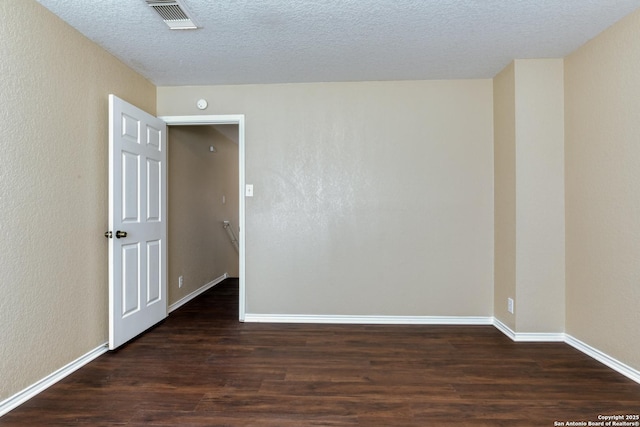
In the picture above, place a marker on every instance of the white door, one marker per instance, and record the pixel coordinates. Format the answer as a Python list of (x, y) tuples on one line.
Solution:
[(137, 221)]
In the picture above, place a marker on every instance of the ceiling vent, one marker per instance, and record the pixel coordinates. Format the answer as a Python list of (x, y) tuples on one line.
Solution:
[(173, 14)]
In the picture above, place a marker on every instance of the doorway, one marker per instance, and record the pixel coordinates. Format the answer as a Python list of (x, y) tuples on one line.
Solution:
[(224, 123)]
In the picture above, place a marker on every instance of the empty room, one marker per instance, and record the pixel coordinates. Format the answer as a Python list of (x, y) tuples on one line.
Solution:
[(432, 212)]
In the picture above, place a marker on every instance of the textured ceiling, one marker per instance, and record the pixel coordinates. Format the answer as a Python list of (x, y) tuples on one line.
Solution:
[(280, 41)]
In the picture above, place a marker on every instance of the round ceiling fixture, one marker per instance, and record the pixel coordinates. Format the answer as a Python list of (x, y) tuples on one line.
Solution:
[(202, 104)]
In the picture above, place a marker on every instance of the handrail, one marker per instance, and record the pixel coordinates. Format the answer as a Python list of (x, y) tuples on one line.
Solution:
[(232, 235)]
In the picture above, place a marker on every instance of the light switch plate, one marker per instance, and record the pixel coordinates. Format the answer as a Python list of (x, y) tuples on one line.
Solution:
[(249, 190)]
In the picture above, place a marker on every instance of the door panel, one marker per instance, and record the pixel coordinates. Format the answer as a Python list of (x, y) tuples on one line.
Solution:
[(154, 273), (130, 191), (137, 208), (130, 279), (154, 197)]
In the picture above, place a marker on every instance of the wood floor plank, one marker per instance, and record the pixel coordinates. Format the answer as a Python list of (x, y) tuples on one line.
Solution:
[(201, 367)]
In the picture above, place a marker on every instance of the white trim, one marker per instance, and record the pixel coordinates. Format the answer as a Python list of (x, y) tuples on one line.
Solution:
[(241, 219), (368, 320), (626, 370), (540, 337), (504, 329), (603, 358), (218, 119), (230, 119), (182, 301), (528, 336), (592, 352), (46, 382)]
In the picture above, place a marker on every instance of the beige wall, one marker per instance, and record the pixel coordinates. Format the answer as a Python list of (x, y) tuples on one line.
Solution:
[(371, 198), (540, 242), (529, 194), (53, 190), (199, 248), (504, 119), (602, 90)]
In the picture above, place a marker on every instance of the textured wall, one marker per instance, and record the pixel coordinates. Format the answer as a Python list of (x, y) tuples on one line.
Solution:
[(529, 195), (370, 198), (53, 190), (504, 119), (199, 247), (602, 92), (540, 242)]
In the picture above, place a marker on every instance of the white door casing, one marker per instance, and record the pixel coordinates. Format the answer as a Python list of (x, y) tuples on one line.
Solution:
[(227, 119), (138, 213)]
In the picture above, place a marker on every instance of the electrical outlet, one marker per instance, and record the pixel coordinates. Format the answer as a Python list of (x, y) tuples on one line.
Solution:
[(180, 281), (510, 305)]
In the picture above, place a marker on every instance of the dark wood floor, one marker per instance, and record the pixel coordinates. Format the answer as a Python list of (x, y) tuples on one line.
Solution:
[(201, 367)]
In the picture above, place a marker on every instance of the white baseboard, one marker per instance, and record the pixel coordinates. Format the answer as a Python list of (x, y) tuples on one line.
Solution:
[(594, 353), (197, 292), (631, 373), (29, 392), (603, 358), (504, 329), (528, 336), (367, 320)]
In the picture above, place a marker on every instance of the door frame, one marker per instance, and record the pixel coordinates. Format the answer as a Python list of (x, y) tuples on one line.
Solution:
[(228, 119)]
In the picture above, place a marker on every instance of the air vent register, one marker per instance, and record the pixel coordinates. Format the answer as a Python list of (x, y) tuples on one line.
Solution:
[(173, 13)]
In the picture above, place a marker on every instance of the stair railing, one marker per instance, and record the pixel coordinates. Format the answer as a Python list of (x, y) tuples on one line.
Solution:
[(232, 235)]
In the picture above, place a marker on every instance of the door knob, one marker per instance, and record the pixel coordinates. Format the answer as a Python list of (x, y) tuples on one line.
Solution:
[(108, 234), (120, 234)]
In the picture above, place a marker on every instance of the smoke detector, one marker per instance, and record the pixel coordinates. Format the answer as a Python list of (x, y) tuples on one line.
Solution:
[(173, 13)]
